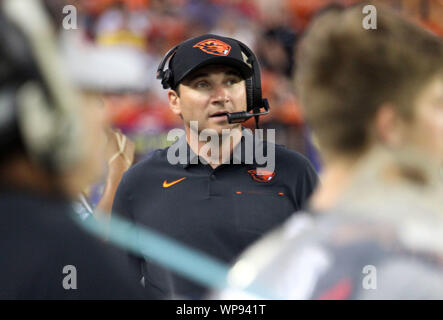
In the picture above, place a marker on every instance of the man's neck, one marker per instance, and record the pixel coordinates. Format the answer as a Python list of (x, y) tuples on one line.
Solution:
[(207, 149), (20, 173), (334, 180)]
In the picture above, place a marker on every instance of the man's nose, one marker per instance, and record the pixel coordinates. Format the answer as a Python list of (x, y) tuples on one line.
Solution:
[(220, 94)]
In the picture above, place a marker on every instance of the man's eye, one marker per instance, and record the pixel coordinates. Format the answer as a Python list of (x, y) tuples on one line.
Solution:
[(202, 84), (232, 81)]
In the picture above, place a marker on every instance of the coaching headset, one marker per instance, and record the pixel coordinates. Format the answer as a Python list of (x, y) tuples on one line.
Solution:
[(37, 103), (213, 49)]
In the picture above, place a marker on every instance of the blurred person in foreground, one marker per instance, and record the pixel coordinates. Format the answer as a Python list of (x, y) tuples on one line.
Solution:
[(50, 140), (98, 71), (374, 227)]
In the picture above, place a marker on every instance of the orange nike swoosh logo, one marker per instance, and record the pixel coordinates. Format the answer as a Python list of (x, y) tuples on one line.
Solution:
[(167, 185)]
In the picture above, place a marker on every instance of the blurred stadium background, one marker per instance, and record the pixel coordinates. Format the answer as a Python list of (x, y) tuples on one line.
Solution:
[(271, 28)]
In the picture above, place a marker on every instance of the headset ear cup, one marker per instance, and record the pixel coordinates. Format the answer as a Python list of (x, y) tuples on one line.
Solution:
[(249, 94), (256, 87), (253, 84)]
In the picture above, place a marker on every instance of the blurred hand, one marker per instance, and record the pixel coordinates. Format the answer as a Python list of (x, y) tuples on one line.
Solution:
[(119, 152)]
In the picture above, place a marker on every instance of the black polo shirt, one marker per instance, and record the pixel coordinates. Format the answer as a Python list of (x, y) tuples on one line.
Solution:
[(218, 211), (39, 238)]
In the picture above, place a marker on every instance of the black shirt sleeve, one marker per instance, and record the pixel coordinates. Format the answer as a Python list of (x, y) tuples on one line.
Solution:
[(306, 184), (301, 176)]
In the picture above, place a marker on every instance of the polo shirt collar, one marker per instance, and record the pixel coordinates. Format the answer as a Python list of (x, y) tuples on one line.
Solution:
[(238, 155)]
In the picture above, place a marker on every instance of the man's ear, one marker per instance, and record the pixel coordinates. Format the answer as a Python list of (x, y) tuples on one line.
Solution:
[(389, 127), (174, 102)]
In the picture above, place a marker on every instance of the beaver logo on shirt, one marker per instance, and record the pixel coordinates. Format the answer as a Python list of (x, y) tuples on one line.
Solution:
[(214, 46), (262, 175)]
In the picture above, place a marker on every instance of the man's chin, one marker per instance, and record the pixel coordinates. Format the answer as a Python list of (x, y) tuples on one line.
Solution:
[(217, 127), (225, 126)]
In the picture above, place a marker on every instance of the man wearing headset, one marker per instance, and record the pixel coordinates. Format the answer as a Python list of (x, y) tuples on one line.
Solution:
[(48, 153), (218, 205)]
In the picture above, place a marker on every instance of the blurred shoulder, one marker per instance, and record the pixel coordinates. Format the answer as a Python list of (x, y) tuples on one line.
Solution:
[(146, 166), (292, 157)]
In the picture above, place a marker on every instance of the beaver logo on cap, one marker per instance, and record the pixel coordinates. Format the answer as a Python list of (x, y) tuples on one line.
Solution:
[(214, 46)]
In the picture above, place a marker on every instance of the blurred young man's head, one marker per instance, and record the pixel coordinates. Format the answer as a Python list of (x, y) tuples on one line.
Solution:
[(50, 138), (364, 87)]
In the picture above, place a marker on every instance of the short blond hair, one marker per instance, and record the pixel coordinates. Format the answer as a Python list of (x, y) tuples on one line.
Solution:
[(345, 73)]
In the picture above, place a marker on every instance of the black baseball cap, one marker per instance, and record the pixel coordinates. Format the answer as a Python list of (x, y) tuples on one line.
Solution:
[(205, 50)]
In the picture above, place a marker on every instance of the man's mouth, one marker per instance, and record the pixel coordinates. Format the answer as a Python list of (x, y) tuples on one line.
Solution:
[(221, 114)]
